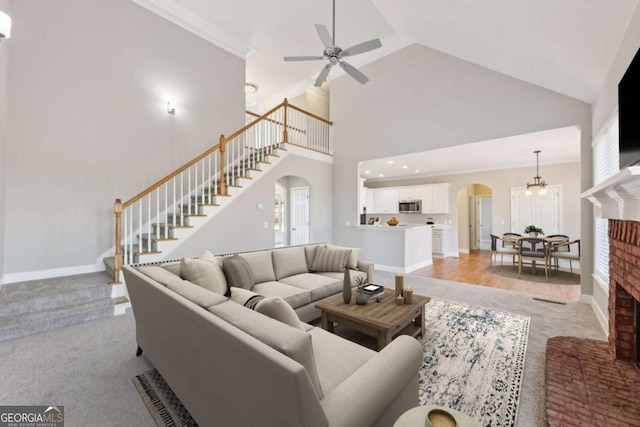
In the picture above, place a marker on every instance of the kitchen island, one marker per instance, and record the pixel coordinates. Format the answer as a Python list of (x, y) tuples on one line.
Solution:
[(399, 249)]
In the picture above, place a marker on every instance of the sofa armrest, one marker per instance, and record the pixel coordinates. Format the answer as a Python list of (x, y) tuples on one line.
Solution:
[(364, 397), (366, 267)]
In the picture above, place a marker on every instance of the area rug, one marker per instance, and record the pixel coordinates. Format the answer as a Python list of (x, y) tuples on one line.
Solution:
[(473, 360), (165, 408), (555, 277)]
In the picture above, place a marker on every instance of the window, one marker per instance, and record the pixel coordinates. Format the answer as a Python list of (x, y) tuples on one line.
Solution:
[(605, 165)]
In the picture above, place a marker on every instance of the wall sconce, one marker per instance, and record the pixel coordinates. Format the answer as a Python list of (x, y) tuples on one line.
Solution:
[(5, 26), (171, 107)]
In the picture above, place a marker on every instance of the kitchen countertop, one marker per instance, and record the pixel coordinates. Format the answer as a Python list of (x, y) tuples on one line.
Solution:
[(388, 227)]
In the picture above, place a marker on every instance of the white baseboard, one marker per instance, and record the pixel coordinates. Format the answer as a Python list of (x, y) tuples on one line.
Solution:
[(602, 317), (119, 309), (46, 274), (403, 270), (463, 251)]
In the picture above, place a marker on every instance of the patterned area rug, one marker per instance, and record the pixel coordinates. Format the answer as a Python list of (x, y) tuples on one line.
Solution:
[(165, 408), (473, 360)]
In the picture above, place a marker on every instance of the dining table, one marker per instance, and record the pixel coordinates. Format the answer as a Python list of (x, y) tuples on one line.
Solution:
[(549, 243)]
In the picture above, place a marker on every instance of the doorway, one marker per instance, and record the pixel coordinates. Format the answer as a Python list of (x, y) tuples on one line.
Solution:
[(279, 216), (474, 232), (299, 215)]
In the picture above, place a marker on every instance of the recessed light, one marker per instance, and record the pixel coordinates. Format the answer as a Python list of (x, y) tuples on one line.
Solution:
[(381, 175), (405, 167), (367, 172), (416, 171), (390, 162)]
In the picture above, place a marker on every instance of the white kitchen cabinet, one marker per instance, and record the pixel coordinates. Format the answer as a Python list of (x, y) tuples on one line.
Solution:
[(385, 201), (410, 193), (435, 199), (368, 201), (440, 242)]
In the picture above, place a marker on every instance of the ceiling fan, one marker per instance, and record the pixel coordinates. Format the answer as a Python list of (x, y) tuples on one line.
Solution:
[(335, 54)]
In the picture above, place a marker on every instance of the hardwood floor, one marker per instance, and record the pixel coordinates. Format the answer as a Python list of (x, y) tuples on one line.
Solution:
[(473, 268)]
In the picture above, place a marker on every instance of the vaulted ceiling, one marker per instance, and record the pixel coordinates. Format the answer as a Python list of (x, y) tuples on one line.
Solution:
[(563, 45)]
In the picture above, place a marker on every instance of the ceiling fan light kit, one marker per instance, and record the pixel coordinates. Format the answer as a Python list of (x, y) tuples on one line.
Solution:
[(335, 54)]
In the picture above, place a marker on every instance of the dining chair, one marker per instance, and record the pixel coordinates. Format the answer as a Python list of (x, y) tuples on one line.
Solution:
[(554, 241), (535, 250), (565, 251), (501, 247)]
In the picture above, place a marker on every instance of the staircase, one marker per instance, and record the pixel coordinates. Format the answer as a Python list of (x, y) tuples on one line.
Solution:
[(41, 305), (151, 225)]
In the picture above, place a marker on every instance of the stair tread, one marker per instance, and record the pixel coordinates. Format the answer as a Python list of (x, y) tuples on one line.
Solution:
[(61, 285)]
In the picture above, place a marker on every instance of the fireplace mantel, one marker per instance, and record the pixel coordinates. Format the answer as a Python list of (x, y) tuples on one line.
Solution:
[(618, 197)]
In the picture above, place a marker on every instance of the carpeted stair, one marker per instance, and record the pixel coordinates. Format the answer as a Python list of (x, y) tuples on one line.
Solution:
[(40, 305)]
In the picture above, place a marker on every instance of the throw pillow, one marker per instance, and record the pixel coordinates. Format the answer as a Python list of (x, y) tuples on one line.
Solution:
[(277, 308), (352, 263), (203, 273), (246, 297), (330, 259), (238, 272)]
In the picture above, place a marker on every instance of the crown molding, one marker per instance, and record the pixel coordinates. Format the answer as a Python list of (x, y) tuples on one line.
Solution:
[(169, 10)]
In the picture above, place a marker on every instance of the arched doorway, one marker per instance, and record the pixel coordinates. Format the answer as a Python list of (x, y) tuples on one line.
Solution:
[(475, 217)]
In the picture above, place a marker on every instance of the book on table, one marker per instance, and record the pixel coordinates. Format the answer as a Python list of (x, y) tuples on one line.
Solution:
[(372, 290)]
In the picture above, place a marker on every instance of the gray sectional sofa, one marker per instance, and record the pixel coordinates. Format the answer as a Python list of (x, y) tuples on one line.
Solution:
[(233, 366)]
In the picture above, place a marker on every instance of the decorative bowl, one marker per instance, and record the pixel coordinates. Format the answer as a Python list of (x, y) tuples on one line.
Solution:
[(440, 418), (392, 222)]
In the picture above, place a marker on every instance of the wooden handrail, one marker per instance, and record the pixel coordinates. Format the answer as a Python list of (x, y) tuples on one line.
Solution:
[(329, 122), (277, 122), (253, 123)]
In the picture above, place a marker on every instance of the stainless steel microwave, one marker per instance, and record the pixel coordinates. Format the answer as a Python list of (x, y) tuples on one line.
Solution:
[(410, 206)]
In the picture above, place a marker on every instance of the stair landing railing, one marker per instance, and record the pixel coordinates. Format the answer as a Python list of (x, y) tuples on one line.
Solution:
[(149, 217)]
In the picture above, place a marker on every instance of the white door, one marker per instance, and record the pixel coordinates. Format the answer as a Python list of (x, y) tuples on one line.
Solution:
[(473, 244), (535, 209), (299, 215), (485, 220)]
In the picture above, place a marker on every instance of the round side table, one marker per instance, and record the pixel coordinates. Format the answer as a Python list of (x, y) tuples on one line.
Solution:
[(416, 417)]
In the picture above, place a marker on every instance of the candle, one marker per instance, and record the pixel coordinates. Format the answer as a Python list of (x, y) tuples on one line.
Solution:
[(399, 300), (408, 296), (399, 284)]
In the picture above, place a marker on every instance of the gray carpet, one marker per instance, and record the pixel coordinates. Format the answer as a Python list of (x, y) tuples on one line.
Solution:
[(88, 367)]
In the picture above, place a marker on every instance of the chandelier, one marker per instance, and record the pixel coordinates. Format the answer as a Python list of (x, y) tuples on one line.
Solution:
[(537, 180)]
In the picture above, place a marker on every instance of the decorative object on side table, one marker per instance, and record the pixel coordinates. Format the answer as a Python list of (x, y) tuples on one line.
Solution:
[(361, 297), (533, 231), (393, 221), (346, 286), (399, 300), (408, 296), (440, 418), (399, 284)]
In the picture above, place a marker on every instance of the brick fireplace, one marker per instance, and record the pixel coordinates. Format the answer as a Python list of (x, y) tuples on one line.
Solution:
[(624, 288)]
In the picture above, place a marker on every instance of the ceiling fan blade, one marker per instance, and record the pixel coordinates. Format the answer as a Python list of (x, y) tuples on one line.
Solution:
[(303, 58), (323, 32), (354, 72), (323, 75), (362, 47)]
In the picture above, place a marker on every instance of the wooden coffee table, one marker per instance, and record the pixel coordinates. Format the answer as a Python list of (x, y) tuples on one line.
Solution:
[(383, 320)]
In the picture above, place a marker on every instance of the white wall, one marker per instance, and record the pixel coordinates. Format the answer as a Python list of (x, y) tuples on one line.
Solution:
[(4, 89), (605, 103), (500, 182), (419, 99), (89, 82), (240, 226)]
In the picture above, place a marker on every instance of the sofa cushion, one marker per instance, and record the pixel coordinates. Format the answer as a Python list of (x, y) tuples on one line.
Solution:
[(207, 274), (330, 259), (196, 294), (289, 261), (319, 286), (261, 266), (172, 267), (295, 296), (278, 309), (352, 262), (238, 272), (340, 276), (159, 274), (336, 358), (294, 343)]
